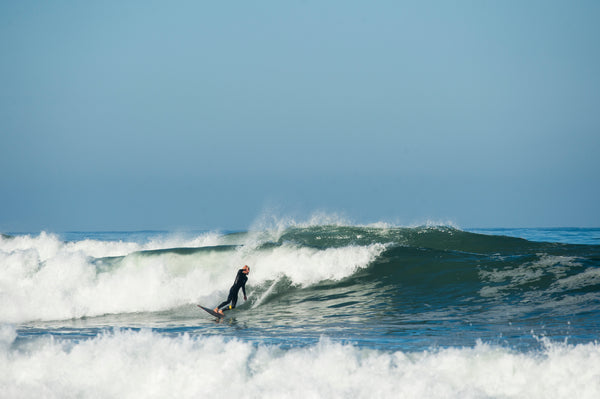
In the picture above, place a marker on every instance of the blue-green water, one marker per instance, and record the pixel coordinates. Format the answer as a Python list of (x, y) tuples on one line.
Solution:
[(429, 311)]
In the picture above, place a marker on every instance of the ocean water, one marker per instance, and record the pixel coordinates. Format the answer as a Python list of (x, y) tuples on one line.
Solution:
[(333, 311)]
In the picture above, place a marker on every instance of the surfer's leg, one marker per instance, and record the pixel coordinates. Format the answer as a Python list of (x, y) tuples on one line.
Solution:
[(229, 299), (222, 305), (233, 303)]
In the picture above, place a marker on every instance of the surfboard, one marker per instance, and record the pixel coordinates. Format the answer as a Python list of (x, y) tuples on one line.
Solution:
[(212, 312)]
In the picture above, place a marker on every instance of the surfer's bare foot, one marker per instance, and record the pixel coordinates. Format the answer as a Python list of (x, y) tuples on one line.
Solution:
[(216, 310)]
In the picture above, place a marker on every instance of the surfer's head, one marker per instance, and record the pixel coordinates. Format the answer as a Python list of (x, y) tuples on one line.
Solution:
[(245, 269)]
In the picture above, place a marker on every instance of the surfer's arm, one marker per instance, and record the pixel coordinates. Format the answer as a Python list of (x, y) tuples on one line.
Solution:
[(244, 291)]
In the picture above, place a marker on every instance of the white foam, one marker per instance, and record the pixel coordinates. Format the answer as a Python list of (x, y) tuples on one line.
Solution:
[(590, 276), (128, 364), (48, 245), (8, 334), (306, 266), (529, 272)]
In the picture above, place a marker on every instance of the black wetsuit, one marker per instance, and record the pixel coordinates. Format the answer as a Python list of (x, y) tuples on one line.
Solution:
[(240, 282)]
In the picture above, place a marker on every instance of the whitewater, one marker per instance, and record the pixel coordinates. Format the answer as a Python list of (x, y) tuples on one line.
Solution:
[(334, 310)]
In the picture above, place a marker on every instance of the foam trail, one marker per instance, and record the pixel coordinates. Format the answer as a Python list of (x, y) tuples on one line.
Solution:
[(264, 295)]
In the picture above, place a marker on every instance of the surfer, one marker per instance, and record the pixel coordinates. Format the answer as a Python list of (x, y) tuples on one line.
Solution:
[(240, 282)]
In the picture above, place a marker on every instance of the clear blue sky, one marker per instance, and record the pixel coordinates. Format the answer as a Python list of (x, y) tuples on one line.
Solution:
[(120, 115)]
